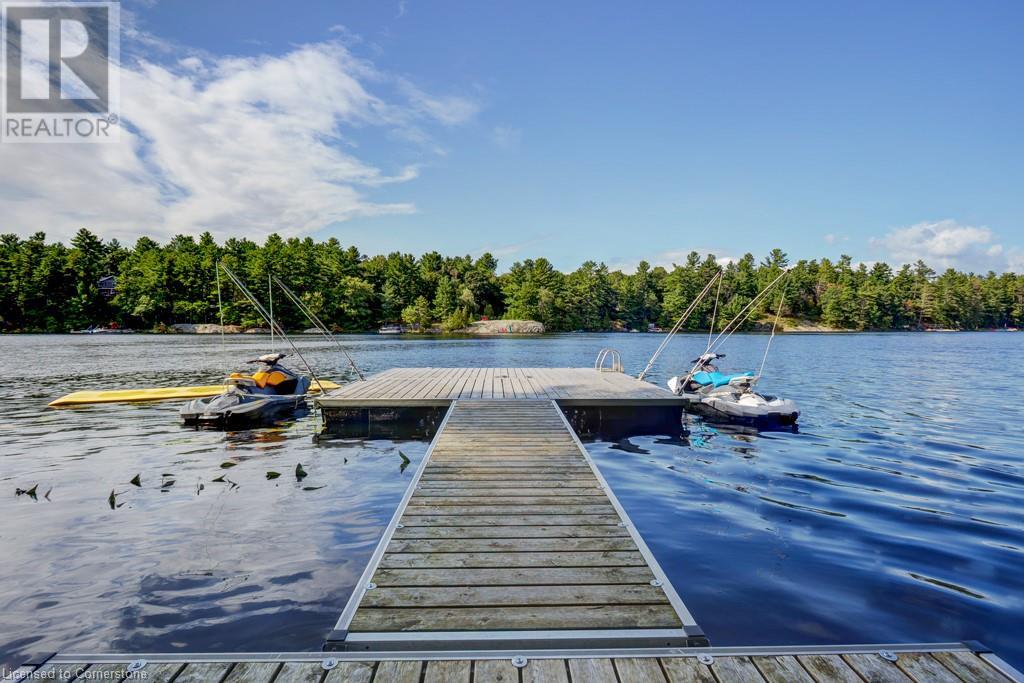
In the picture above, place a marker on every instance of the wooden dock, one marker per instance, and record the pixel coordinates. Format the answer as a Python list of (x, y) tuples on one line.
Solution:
[(440, 386), (937, 663), (509, 536)]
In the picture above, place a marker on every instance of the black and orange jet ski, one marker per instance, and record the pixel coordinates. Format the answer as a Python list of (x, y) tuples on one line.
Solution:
[(269, 393)]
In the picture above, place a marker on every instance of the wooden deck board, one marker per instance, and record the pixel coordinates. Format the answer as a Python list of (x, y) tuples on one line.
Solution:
[(412, 386), (495, 558)]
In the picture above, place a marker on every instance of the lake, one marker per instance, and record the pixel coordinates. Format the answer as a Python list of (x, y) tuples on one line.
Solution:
[(894, 513)]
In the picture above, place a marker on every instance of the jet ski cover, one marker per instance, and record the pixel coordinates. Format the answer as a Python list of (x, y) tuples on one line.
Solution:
[(717, 379)]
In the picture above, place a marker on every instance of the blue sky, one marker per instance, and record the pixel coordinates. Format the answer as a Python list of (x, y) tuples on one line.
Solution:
[(627, 131)]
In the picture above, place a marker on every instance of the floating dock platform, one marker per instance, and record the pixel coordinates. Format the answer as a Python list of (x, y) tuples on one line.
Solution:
[(414, 399), (931, 663)]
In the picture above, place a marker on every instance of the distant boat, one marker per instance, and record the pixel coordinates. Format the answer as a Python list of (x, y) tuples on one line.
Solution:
[(390, 329), (102, 330)]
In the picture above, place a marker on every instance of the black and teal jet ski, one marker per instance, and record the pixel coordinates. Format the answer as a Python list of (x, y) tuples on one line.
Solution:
[(730, 398), (269, 393)]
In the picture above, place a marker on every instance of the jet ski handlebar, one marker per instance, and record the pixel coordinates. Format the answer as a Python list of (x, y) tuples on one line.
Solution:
[(269, 359), (708, 357)]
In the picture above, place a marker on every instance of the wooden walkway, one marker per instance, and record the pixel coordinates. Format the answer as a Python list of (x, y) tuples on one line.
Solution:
[(509, 534), (440, 386), (950, 663)]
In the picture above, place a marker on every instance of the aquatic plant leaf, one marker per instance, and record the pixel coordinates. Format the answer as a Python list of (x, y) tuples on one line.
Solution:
[(47, 494), (31, 493), (199, 488), (226, 465), (219, 479), (112, 500), (273, 475), (136, 480), (167, 484), (405, 458), (401, 468), (312, 488), (300, 473)]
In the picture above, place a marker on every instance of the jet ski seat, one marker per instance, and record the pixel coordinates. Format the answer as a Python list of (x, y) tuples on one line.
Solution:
[(716, 379), (271, 381)]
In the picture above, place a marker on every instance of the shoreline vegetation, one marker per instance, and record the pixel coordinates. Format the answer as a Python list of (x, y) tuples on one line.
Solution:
[(52, 287)]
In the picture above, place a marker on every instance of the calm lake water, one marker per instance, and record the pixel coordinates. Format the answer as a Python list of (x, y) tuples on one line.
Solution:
[(896, 513)]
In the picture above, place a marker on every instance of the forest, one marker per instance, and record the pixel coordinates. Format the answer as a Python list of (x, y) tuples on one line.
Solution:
[(53, 287)]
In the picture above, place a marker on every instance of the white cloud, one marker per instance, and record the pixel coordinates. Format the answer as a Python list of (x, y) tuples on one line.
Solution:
[(450, 110), (237, 146), (832, 238), (948, 244)]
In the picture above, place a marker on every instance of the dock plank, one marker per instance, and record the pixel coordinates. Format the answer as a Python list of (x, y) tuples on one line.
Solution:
[(300, 672), (448, 671), (875, 669), (495, 671), (398, 671), (686, 670), (638, 670), (507, 532), (923, 667), (161, 673), (202, 672), (350, 672), (252, 672), (546, 671), (512, 596), (503, 545), (592, 670), (829, 669), (544, 576), (970, 667), (782, 670), (601, 558)]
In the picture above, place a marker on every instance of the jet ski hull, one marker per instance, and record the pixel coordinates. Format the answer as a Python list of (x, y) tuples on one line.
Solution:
[(764, 412), (249, 410)]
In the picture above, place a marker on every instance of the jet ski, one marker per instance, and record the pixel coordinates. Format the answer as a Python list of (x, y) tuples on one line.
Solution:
[(271, 392), (731, 398)]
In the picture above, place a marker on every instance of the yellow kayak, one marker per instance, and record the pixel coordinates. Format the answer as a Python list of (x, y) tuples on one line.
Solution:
[(80, 398)]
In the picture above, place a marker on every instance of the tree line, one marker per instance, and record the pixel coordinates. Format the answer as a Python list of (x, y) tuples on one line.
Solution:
[(53, 287)]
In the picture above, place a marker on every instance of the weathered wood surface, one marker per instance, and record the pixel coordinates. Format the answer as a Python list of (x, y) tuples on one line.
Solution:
[(437, 386), (551, 559), (952, 666)]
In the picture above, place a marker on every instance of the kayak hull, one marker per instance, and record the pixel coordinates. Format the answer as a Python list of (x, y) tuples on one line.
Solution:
[(80, 398)]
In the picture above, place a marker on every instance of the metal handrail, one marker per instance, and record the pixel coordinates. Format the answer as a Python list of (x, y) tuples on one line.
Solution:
[(603, 356)]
